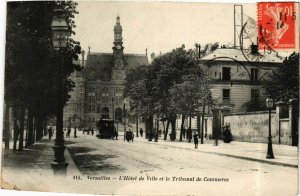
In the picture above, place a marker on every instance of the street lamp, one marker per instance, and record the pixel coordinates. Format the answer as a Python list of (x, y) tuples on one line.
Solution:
[(113, 109), (269, 103), (124, 116), (60, 33)]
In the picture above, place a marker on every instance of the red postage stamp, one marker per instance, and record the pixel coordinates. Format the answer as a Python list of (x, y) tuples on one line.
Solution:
[(276, 25)]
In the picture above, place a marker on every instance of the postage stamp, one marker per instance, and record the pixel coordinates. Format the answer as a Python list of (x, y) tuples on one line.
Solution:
[(276, 25)]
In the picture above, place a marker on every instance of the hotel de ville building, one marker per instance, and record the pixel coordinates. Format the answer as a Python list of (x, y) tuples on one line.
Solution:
[(98, 91)]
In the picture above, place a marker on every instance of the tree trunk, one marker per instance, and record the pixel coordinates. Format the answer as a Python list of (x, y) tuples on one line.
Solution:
[(21, 140), (39, 129), (181, 127), (190, 123), (167, 130), (198, 124), (137, 126), (173, 124), (149, 126), (202, 123), (34, 130), (30, 128), (16, 128), (6, 128)]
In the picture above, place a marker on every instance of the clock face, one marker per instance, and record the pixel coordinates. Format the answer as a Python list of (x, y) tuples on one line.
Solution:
[(118, 47)]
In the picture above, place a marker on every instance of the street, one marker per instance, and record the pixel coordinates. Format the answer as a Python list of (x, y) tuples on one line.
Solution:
[(118, 165)]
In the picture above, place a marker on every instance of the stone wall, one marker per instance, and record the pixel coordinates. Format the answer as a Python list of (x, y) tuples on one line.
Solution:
[(251, 127), (254, 127)]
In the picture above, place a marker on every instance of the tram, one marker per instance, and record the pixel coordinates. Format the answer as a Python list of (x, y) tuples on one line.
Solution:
[(106, 129)]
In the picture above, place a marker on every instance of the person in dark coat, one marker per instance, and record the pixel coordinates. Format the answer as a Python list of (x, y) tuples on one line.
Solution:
[(183, 132), (75, 132), (189, 135), (68, 132), (50, 133), (92, 131), (115, 133), (195, 136), (227, 134), (141, 132)]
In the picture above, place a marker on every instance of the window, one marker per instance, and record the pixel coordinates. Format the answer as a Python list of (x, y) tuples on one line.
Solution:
[(105, 89), (254, 74), (105, 98), (98, 109), (254, 94), (226, 94), (226, 73)]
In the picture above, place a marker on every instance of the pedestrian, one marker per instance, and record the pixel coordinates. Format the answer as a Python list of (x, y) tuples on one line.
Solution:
[(92, 131), (141, 132), (68, 132), (183, 132), (116, 134), (50, 133), (227, 134), (189, 135), (195, 136), (75, 132)]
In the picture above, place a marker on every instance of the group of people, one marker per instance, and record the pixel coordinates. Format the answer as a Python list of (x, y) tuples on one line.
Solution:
[(88, 131), (69, 132)]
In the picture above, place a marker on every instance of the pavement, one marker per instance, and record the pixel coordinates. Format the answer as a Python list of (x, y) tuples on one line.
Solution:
[(34, 162), (41, 154), (285, 155)]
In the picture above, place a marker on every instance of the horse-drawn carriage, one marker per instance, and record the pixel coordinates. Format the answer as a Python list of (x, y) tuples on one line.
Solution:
[(106, 129), (128, 136)]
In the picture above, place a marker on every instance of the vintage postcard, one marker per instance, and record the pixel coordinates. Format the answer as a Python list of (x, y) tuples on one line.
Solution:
[(151, 98)]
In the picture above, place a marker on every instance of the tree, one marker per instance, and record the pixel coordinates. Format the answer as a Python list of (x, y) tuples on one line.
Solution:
[(30, 69), (283, 83), (169, 86), (140, 99)]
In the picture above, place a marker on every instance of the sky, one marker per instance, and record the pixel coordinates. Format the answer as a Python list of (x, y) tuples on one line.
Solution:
[(157, 26)]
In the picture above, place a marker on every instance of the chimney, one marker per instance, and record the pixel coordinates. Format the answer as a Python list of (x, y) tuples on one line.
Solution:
[(82, 58), (254, 49)]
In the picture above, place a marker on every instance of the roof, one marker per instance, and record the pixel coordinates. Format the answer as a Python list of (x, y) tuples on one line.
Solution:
[(99, 65), (232, 54)]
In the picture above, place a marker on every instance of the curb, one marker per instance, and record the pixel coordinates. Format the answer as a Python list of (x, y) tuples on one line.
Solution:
[(233, 156)]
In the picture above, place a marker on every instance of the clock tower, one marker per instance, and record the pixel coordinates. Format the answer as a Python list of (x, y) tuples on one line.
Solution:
[(118, 47)]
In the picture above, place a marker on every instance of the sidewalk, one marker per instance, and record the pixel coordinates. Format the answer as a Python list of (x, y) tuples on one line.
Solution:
[(285, 155), (21, 169)]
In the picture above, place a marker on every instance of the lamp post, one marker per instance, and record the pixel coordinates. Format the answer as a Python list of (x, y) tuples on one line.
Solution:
[(113, 109), (124, 116), (60, 33), (269, 103)]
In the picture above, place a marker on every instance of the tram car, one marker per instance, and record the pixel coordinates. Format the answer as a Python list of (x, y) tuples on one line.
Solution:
[(106, 129)]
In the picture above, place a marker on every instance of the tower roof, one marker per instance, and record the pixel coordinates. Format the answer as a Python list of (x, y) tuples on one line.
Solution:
[(118, 27), (100, 65)]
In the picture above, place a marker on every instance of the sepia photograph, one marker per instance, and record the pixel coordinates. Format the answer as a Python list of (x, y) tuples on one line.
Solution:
[(150, 98)]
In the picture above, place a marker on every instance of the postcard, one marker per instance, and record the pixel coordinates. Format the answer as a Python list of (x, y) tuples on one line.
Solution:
[(151, 98)]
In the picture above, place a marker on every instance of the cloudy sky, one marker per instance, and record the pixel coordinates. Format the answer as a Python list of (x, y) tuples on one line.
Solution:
[(158, 26)]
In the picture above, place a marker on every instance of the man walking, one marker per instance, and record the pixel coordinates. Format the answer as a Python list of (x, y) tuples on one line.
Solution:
[(195, 136), (141, 132), (50, 133)]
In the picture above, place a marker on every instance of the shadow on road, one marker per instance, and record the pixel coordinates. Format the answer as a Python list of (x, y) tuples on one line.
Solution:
[(91, 163)]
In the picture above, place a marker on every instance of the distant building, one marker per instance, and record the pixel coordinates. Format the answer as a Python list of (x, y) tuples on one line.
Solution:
[(99, 90), (236, 77)]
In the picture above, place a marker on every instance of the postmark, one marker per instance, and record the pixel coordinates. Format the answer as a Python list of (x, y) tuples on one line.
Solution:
[(276, 25)]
